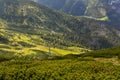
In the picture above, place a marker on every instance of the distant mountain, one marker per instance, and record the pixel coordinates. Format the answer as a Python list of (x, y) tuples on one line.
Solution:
[(28, 27), (108, 10)]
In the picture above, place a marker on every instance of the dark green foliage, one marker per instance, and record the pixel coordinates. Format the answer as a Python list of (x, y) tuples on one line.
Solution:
[(71, 56), (3, 40), (3, 58), (6, 55), (6, 52), (85, 59), (25, 44)]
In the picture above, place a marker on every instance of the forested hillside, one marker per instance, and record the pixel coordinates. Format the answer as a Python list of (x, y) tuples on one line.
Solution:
[(105, 10)]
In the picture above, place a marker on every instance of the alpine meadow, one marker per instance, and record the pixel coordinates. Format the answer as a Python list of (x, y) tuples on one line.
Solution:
[(59, 39)]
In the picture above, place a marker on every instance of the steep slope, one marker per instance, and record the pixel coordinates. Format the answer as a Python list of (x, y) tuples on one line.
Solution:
[(97, 9), (27, 27)]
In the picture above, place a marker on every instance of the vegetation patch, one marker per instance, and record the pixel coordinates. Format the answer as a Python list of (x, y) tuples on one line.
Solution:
[(58, 70)]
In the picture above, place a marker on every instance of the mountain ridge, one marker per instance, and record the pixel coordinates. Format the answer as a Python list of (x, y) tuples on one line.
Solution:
[(106, 10)]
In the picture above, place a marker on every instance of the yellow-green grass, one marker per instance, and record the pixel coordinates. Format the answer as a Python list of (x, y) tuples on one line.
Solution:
[(100, 19), (58, 50), (31, 50), (103, 18)]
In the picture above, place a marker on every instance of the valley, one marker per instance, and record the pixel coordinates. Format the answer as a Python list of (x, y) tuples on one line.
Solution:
[(75, 40)]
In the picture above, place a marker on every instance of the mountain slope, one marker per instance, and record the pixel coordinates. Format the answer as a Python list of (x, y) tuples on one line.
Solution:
[(27, 27), (99, 9), (104, 53)]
